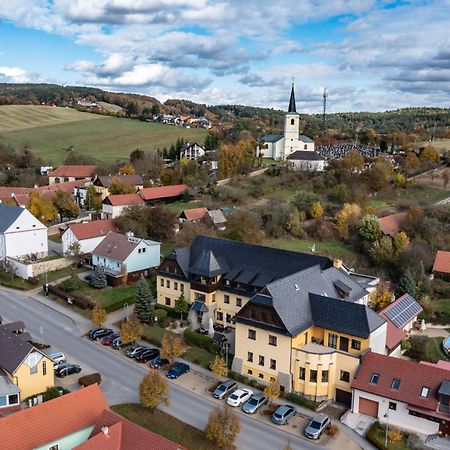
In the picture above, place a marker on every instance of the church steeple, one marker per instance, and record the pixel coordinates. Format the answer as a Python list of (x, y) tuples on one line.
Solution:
[(291, 108)]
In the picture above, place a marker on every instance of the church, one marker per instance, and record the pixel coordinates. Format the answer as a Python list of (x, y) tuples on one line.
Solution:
[(297, 148)]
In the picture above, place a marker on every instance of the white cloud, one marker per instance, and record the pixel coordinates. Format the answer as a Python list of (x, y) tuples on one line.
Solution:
[(14, 75)]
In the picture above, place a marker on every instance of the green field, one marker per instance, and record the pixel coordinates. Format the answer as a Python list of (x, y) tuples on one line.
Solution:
[(51, 131)]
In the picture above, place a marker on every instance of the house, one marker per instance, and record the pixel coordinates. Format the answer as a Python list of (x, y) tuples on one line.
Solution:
[(71, 173), (295, 315), (125, 258), (163, 194), (102, 184), (61, 423), (113, 432), (24, 369), (87, 234), (441, 264), (392, 224), (192, 215), (306, 160), (412, 396), (192, 151), (400, 316), (217, 219), (113, 205), (21, 234)]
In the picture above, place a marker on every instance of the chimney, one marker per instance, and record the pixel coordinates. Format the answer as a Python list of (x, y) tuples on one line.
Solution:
[(337, 263)]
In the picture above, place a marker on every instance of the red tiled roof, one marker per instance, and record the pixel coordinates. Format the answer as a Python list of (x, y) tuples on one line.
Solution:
[(413, 377), (73, 171), (394, 335), (156, 193), (194, 214), (121, 434), (124, 199), (442, 262), (392, 224), (39, 425), (440, 364), (67, 187), (92, 229)]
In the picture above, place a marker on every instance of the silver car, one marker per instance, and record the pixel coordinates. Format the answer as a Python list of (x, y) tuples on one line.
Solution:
[(317, 426), (254, 403), (283, 414), (225, 388)]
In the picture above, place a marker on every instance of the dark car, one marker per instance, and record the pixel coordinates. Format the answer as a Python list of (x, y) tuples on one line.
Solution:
[(225, 388), (177, 370), (98, 333), (283, 414), (67, 369), (147, 355), (254, 403), (158, 363), (118, 344), (108, 340), (135, 351)]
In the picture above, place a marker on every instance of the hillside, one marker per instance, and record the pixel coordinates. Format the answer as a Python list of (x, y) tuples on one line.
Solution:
[(52, 131)]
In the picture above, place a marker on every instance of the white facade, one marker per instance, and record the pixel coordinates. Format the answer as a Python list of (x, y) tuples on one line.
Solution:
[(377, 340), (192, 151), (308, 166), (86, 245), (399, 418), (111, 212)]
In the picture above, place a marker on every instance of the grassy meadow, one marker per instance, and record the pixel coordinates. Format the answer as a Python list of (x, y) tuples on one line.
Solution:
[(51, 131)]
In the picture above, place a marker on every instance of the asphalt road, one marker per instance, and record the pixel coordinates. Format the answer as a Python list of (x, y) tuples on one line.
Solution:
[(121, 378)]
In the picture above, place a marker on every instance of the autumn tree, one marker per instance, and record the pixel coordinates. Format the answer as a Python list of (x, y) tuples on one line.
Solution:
[(218, 367), (42, 209), (93, 199), (381, 297), (411, 162), (65, 206), (348, 219), (127, 169), (236, 159), (153, 390), (144, 303), (400, 243), (382, 251), (181, 306), (316, 211), (244, 226), (131, 331), (223, 427), (120, 187), (171, 346), (272, 390), (353, 161), (445, 177), (370, 228), (99, 315), (429, 155)]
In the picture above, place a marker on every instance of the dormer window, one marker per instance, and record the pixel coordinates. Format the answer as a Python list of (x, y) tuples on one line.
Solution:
[(374, 378), (424, 392), (395, 384)]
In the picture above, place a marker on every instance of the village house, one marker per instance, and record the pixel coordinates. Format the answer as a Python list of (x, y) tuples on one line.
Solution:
[(392, 224), (125, 258), (192, 151), (163, 194), (113, 205), (216, 218), (192, 215), (307, 161), (71, 173), (102, 184), (24, 370), (86, 234), (441, 265), (21, 234), (411, 396)]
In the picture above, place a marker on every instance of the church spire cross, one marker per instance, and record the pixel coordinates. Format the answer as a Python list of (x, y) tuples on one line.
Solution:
[(292, 101)]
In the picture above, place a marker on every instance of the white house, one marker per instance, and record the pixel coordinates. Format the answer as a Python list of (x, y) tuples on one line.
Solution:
[(125, 257), (306, 160), (113, 205), (410, 396), (21, 234), (192, 151), (87, 234)]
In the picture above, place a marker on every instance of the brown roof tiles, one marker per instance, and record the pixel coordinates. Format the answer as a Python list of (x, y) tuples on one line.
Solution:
[(156, 193), (392, 224), (92, 229), (74, 171), (442, 262)]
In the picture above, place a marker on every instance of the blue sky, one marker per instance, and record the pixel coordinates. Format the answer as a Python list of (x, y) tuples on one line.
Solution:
[(370, 54)]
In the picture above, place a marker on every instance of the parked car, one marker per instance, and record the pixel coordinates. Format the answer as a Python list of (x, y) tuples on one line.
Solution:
[(317, 426), (158, 363), (254, 403), (283, 414), (237, 398), (147, 355), (225, 388), (98, 333), (135, 351), (67, 369), (177, 370), (57, 357), (108, 340), (118, 344)]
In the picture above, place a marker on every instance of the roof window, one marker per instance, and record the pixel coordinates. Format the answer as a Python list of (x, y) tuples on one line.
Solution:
[(395, 384), (374, 378), (425, 391)]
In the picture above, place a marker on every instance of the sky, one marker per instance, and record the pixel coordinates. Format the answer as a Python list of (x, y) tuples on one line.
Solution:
[(371, 55)]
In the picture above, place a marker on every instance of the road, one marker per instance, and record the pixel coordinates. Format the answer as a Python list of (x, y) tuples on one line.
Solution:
[(121, 378)]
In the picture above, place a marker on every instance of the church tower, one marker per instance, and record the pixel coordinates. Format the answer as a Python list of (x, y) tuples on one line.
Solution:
[(291, 128)]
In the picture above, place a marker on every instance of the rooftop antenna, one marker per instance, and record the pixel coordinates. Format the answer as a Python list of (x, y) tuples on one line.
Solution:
[(325, 95)]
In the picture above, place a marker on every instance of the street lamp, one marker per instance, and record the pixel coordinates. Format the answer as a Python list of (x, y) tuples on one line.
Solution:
[(386, 416)]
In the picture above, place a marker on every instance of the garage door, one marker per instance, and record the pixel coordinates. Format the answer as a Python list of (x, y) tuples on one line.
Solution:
[(344, 397), (368, 407)]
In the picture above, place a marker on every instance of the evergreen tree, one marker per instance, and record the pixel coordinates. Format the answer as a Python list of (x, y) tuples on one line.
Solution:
[(144, 303), (407, 284), (181, 306), (99, 278)]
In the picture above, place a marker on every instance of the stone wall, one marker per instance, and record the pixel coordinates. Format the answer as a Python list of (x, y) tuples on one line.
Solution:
[(27, 270)]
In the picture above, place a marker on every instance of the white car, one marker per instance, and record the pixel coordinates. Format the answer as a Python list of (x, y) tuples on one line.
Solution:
[(237, 398), (57, 358)]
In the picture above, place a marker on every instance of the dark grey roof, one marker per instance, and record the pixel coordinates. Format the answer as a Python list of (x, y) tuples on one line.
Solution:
[(8, 215), (208, 265), (305, 138), (135, 180), (305, 155), (444, 388), (291, 107), (343, 316), (198, 307), (272, 137), (13, 349)]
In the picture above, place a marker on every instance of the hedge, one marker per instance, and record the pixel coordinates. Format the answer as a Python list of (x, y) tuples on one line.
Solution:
[(78, 300), (372, 436), (87, 380), (199, 340), (120, 304), (300, 400)]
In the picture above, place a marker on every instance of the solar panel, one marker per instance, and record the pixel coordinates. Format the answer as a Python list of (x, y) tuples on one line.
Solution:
[(403, 311)]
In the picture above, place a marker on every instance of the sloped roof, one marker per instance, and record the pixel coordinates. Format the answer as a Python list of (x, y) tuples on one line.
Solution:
[(92, 229), (442, 262), (394, 335), (14, 348), (209, 265), (413, 377), (162, 192), (291, 107), (393, 223), (217, 216), (116, 246), (402, 311), (8, 215), (305, 155), (134, 180), (304, 138), (193, 214), (272, 137), (124, 200), (121, 434), (42, 424), (73, 171)]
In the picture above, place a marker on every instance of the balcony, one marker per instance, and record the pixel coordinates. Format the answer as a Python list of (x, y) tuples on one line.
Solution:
[(207, 288)]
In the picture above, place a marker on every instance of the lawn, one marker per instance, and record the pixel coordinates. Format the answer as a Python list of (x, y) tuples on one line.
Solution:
[(424, 348), (107, 139), (177, 207), (441, 312), (165, 425), (154, 334), (199, 356)]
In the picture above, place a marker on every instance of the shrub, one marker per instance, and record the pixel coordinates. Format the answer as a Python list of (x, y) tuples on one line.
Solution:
[(87, 380), (170, 311), (332, 430), (395, 435), (193, 338), (161, 315), (300, 400)]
